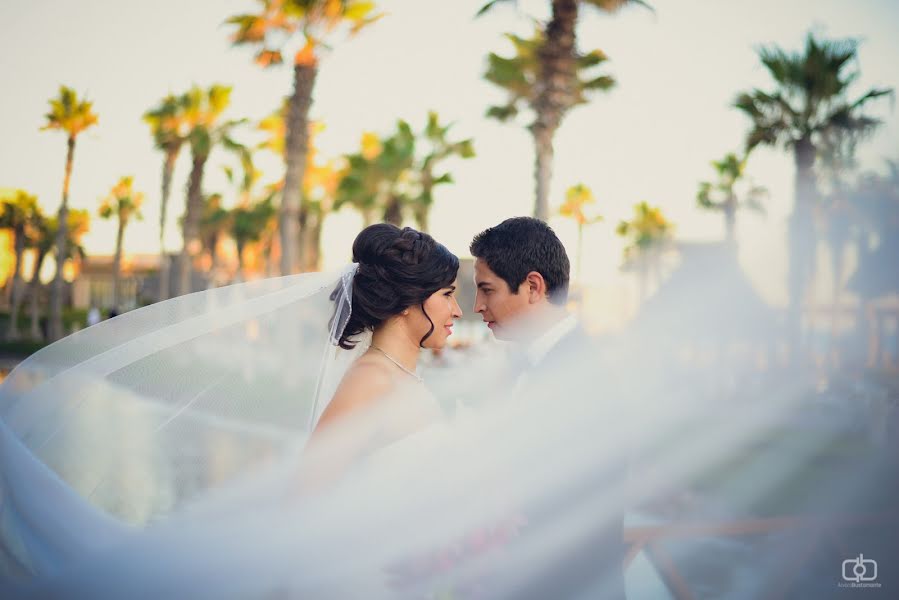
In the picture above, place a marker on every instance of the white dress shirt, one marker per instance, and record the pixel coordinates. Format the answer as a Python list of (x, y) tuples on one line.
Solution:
[(537, 350)]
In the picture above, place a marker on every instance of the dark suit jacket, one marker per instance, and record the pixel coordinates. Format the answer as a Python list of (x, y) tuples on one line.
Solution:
[(588, 565)]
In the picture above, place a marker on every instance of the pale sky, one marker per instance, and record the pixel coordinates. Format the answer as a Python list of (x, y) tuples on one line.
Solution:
[(651, 138)]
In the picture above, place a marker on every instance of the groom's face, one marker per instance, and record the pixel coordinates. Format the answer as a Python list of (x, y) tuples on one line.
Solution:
[(496, 303)]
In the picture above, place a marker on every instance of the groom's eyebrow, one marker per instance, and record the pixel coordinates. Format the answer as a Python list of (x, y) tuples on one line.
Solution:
[(483, 284)]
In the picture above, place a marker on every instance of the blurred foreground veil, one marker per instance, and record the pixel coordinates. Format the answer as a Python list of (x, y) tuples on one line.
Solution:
[(156, 456), (124, 423)]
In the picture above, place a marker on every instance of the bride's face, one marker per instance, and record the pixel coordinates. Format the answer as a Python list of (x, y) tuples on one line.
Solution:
[(443, 309)]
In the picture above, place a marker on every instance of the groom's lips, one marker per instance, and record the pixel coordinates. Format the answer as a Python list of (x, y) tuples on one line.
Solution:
[(490, 324)]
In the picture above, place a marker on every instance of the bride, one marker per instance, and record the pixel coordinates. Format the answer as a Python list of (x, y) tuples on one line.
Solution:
[(183, 408), (402, 301), (158, 454)]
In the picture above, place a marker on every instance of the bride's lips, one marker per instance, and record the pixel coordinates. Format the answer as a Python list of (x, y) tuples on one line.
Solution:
[(449, 329)]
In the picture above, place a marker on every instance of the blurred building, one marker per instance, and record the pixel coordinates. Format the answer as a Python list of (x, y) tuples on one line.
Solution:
[(93, 286), (708, 298)]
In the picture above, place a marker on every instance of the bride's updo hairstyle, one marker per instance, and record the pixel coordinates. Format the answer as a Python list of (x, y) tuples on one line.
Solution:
[(398, 268)]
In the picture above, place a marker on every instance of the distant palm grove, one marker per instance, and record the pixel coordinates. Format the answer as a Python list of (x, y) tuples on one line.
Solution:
[(811, 108)]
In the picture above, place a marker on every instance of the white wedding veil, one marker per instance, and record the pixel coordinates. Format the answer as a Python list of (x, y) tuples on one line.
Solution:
[(127, 421), (155, 456)]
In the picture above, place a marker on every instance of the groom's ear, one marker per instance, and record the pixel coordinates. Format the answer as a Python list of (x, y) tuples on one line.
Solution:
[(536, 287)]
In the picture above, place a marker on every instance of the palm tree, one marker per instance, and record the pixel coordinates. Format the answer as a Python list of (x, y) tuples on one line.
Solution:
[(838, 213), (320, 189), (248, 224), (320, 181), (122, 204), (269, 236), (167, 124), (203, 111), (722, 194), (45, 237), (648, 232), (363, 183), (549, 74), (277, 23), (214, 222), (439, 149), (396, 175), (73, 116), (380, 178), (807, 108), (46, 233), (576, 198), (20, 213), (521, 75)]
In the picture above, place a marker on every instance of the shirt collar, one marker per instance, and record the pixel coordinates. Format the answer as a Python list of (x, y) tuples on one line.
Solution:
[(540, 347)]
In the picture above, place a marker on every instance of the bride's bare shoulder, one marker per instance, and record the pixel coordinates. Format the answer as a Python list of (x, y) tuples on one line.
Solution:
[(365, 382)]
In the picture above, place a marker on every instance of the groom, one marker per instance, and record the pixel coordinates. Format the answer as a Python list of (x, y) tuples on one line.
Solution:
[(521, 273)]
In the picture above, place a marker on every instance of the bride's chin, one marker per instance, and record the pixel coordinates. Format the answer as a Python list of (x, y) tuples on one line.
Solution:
[(436, 345)]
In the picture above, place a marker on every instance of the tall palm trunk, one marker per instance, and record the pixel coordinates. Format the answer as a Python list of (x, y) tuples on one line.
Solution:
[(296, 149), (543, 149), (313, 250), (393, 212), (838, 240), (580, 250), (422, 213), (240, 265), (13, 332), (268, 246), (302, 239), (168, 169), (558, 72), (212, 245), (117, 266), (730, 218), (191, 226), (34, 289), (56, 291), (802, 236)]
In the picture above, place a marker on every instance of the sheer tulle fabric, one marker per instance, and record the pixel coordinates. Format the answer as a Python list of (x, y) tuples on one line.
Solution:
[(159, 455), (130, 420)]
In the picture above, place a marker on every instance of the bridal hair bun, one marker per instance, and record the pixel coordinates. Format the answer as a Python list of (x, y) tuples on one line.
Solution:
[(383, 245), (398, 268)]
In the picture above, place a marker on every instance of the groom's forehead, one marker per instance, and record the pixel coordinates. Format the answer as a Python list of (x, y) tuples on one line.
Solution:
[(482, 272)]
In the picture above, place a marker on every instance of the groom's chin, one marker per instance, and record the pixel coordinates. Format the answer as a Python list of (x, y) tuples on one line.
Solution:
[(512, 330), (500, 333)]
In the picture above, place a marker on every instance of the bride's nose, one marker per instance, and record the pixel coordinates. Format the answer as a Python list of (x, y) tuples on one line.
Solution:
[(457, 310)]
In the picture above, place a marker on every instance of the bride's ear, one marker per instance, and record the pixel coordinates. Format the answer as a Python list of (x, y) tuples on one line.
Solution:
[(536, 287)]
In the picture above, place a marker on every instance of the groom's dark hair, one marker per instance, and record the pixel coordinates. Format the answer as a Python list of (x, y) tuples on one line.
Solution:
[(520, 245)]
